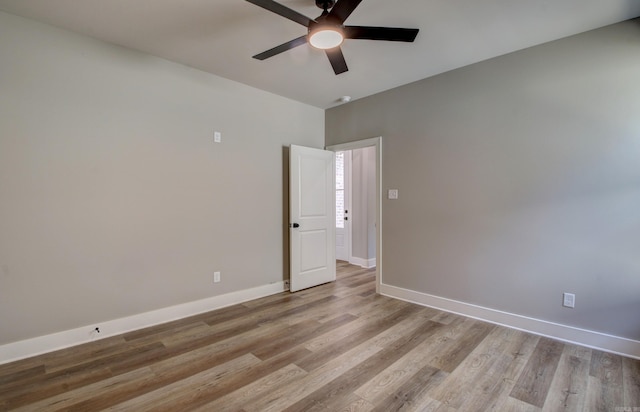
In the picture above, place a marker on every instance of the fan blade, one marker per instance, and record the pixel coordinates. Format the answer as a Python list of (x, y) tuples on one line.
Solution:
[(283, 11), (380, 33), (282, 48), (337, 60), (343, 9)]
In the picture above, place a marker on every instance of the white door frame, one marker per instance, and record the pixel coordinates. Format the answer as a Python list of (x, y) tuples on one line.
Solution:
[(377, 143)]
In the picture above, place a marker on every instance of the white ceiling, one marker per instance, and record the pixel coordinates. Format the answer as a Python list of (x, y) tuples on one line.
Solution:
[(220, 36)]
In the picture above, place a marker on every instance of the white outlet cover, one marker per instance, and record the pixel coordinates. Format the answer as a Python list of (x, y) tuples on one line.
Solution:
[(217, 137), (392, 194), (569, 300)]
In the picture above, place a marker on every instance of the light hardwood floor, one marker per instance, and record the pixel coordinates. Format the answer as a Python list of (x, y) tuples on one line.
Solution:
[(336, 347)]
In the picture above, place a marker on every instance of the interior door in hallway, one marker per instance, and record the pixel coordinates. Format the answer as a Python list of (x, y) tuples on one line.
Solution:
[(312, 217)]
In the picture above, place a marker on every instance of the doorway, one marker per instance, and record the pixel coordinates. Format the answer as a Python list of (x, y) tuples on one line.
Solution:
[(343, 205), (361, 193), (356, 206)]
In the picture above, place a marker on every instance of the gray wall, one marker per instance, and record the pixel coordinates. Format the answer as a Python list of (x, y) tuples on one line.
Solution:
[(113, 198), (518, 178)]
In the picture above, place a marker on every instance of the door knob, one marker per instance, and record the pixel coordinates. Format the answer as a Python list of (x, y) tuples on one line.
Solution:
[(295, 225)]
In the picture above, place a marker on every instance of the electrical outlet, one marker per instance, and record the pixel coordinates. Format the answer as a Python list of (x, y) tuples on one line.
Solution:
[(568, 300), (217, 137), (216, 277)]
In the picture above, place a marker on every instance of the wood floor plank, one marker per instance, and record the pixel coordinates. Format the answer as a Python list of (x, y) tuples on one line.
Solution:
[(367, 293), (602, 398), (578, 351), (335, 347), (447, 318), (179, 395), (253, 373), (358, 336), (412, 393), (356, 404), (308, 307), (631, 382), (301, 334), (607, 367), (164, 372), (57, 383), (605, 381), (502, 375), (328, 310), (277, 300), (363, 280), (163, 329), (332, 342), (223, 315), (367, 279), (372, 304), (234, 401), (534, 382), (81, 374), (161, 374), (510, 404), (10, 368), (334, 367), (426, 404), (385, 384), (195, 337), (355, 291), (73, 400), (452, 356), (281, 398), (87, 352), (474, 380), (19, 378), (330, 395), (358, 280), (568, 390), (389, 381), (241, 331)]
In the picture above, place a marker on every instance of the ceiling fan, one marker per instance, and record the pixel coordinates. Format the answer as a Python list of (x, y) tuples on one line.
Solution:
[(328, 31)]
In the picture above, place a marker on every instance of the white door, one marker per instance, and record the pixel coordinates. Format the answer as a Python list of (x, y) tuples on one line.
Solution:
[(312, 217), (343, 219)]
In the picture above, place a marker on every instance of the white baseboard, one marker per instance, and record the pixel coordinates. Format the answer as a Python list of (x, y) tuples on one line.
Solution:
[(48, 343), (365, 263), (583, 337)]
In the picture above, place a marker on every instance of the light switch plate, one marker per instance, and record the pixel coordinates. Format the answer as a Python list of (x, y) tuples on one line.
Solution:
[(392, 194)]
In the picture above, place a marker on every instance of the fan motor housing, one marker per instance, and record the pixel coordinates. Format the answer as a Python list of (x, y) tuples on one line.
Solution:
[(325, 4)]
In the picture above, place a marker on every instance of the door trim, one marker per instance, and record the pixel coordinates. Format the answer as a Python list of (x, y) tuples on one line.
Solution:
[(377, 143)]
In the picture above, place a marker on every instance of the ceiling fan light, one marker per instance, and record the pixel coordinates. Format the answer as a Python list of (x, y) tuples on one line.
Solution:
[(326, 38)]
